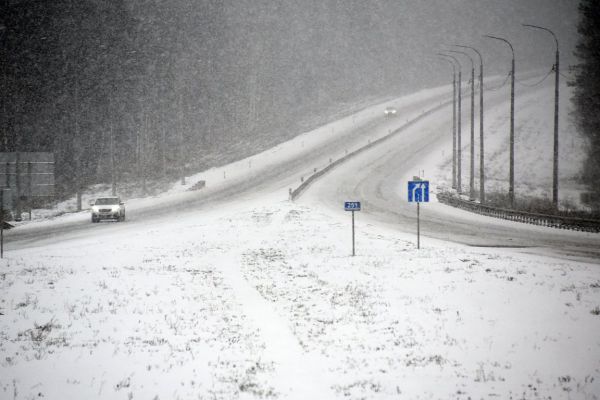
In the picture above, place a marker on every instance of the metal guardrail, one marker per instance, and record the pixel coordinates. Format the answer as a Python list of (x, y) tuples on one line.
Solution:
[(553, 221), (306, 182), (294, 194)]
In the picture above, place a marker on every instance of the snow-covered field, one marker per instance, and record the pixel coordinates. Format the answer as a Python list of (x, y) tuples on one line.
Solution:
[(260, 298), (265, 301)]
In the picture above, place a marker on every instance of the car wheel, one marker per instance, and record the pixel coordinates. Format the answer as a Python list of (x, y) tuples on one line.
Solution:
[(94, 220)]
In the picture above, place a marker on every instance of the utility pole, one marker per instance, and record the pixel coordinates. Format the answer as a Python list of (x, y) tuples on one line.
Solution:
[(511, 174), (556, 101), (453, 119), (454, 90), (458, 136), (459, 128), (555, 155), (472, 144), (481, 136), (511, 189), (141, 150), (180, 156)]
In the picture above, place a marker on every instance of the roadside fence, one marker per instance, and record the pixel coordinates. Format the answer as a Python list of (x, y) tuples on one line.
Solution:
[(553, 221)]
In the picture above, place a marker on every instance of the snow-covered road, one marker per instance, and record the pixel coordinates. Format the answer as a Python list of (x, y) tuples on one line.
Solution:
[(275, 170), (379, 176)]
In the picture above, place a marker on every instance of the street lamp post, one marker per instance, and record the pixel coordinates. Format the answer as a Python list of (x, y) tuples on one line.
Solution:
[(481, 139), (181, 141), (555, 156), (453, 120), (511, 174), (472, 145), (458, 126)]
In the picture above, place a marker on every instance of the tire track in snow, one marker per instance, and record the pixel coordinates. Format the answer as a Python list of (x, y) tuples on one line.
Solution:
[(298, 375)]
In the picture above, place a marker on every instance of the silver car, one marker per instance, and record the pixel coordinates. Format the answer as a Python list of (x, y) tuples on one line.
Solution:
[(108, 208), (390, 111)]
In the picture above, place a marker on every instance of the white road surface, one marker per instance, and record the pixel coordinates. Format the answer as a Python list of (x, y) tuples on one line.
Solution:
[(379, 176)]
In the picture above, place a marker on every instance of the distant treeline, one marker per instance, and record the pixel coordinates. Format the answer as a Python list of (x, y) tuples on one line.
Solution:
[(182, 83), (587, 92), (175, 82)]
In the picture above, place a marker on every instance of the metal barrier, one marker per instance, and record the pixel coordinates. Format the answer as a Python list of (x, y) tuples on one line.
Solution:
[(295, 193), (552, 221)]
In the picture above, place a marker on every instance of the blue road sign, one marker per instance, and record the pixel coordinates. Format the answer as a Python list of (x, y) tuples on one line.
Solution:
[(352, 205), (418, 191)]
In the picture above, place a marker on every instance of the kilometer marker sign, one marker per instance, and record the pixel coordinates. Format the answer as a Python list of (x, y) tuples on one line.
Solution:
[(352, 206)]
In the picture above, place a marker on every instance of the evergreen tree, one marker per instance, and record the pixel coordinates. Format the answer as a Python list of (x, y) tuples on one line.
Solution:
[(587, 89)]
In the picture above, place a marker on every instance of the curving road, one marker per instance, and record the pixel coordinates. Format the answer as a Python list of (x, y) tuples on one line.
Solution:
[(378, 177), (266, 176)]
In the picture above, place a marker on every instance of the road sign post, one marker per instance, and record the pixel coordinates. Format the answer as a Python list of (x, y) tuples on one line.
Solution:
[(418, 192), (418, 228), (352, 206), (353, 253)]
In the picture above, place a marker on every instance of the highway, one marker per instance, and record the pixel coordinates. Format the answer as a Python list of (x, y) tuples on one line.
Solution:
[(377, 177), (268, 174)]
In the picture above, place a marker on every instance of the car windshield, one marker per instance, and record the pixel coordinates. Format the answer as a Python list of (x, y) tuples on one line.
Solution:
[(107, 201)]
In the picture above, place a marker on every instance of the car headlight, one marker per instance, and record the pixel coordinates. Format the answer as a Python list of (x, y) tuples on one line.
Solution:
[(95, 209), (115, 208)]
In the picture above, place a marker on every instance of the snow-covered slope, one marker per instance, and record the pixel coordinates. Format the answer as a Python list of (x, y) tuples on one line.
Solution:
[(263, 300), (534, 129)]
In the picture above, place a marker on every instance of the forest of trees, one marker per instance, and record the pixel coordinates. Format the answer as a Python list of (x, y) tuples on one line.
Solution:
[(76, 73), (587, 92), (188, 84), (174, 83)]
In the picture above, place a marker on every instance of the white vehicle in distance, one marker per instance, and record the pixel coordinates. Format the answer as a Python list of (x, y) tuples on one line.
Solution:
[(108, 208), (390, 111)]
